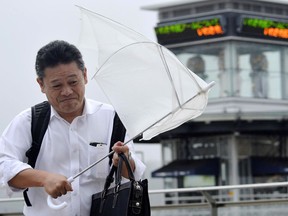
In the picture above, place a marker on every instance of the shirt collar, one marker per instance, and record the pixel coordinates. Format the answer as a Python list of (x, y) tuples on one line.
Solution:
[(91, 106)]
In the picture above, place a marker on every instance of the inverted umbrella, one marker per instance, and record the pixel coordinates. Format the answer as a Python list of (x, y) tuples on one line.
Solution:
[(150, 89)]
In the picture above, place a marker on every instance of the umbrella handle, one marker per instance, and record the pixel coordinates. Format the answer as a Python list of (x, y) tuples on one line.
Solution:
[(54, 206)]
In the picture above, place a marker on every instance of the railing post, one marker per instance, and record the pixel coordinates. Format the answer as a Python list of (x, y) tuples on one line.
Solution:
[(212, 203), (214, 211)]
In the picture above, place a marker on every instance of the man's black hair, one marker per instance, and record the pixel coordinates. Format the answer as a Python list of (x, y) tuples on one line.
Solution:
[(55, 53)]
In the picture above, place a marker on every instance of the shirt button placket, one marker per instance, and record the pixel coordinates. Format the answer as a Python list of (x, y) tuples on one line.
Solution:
[(74, 155)]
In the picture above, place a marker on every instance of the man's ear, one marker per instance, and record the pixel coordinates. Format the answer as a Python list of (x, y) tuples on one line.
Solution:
[(85, 75), (41, 84)]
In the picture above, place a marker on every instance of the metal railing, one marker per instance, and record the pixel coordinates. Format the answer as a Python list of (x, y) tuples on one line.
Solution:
[(211, 203)]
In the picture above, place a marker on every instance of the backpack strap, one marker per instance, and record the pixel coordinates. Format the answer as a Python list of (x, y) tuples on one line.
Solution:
[(118, 134), (40, 120), (40, 115)]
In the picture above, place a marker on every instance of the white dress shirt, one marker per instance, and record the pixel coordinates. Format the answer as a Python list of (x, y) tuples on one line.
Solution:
[(65, 150)]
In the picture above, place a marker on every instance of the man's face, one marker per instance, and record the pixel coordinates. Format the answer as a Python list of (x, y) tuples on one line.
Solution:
[(64, 86)]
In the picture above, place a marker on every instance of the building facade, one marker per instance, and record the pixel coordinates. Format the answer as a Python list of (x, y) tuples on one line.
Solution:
[(241, 138)]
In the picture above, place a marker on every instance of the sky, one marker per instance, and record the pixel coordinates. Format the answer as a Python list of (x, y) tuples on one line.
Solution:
[(25, 26)]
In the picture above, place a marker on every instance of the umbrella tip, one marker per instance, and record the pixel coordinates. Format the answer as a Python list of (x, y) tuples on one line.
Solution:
[(209, 86)]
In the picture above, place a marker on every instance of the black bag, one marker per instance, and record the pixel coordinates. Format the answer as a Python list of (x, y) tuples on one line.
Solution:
[(127, 199)]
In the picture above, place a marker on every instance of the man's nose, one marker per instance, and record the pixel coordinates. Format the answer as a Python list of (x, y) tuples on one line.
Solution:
[(67, 90)]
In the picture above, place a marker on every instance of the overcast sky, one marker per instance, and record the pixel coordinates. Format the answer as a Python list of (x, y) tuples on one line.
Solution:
[(27, 25)]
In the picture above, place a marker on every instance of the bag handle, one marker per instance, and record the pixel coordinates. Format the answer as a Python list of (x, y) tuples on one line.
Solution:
[(118, 177), (109, 178), (118, 173)]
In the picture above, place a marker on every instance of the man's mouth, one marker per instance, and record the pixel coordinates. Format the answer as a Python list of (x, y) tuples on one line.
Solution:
[(67, 99)]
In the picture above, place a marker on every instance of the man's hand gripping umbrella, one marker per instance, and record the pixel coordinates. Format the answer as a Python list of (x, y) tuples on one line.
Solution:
[(117, 148)]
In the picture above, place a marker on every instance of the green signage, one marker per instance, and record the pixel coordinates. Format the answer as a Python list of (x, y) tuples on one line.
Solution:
[(181, 27), (264, 23), (264, 27), (189, 31)]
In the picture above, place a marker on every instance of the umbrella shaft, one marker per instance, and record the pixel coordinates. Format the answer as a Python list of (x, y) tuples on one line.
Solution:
[(101, 159), (92, 165)]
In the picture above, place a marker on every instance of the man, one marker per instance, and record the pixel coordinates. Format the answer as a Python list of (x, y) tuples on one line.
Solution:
[(75, 122)]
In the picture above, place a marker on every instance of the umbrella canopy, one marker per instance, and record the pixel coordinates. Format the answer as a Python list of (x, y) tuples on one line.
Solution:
[(150, 89)]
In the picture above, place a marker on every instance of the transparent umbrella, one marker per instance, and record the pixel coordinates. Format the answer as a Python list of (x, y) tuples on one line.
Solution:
[(151, 90)]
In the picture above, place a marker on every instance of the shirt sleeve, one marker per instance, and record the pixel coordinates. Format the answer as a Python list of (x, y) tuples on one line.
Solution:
[(139, 165), (14, 142)]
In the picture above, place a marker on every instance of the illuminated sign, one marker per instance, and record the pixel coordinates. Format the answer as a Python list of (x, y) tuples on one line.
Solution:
[(189, 31), (263, 27)]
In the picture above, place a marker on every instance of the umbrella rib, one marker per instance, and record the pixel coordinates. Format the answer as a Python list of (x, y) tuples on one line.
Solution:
[(111, 20), (183, 104), (169, 74), (117, 51)]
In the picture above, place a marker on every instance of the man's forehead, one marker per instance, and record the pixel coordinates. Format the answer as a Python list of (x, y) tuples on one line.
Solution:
[(59, 77)]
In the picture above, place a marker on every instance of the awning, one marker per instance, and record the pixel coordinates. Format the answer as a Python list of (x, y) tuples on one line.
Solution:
[(268, 165), (189, 167)]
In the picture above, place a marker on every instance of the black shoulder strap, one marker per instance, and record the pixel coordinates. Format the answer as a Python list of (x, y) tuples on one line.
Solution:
[(40, 120), (118, 133), (39, 123)]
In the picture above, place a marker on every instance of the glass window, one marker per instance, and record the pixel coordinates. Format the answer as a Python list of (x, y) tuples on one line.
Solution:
[(260, 146), (240, 69), (259, 70), (204, 61), (182, 12), (269, 9), (257, 8)]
